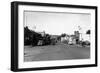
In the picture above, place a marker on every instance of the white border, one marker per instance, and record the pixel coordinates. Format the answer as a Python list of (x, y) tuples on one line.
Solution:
[(22, 64)]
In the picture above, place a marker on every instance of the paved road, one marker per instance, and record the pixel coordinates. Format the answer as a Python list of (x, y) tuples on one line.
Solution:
[(56, 52)]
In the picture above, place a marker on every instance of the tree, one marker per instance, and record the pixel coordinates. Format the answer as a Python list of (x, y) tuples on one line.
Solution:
[(63, 35), (27, 36), (88, 32), (31, 37)]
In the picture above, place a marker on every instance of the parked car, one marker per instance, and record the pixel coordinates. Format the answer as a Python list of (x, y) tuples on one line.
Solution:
[(84, 43)]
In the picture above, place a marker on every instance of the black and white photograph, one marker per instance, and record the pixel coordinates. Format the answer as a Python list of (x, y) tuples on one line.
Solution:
[(52, 36), (56, 36)]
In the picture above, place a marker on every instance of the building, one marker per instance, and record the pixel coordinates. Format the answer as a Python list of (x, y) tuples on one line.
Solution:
[(77, 36), (72, 39)]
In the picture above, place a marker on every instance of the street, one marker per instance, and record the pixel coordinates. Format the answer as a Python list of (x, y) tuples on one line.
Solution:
[(55, 52)]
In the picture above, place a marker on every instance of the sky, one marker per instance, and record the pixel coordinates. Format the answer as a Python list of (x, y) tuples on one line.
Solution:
[(56, 23)]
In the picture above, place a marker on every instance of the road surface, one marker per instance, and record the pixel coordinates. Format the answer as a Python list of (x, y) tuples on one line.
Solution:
[(56, 52)]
